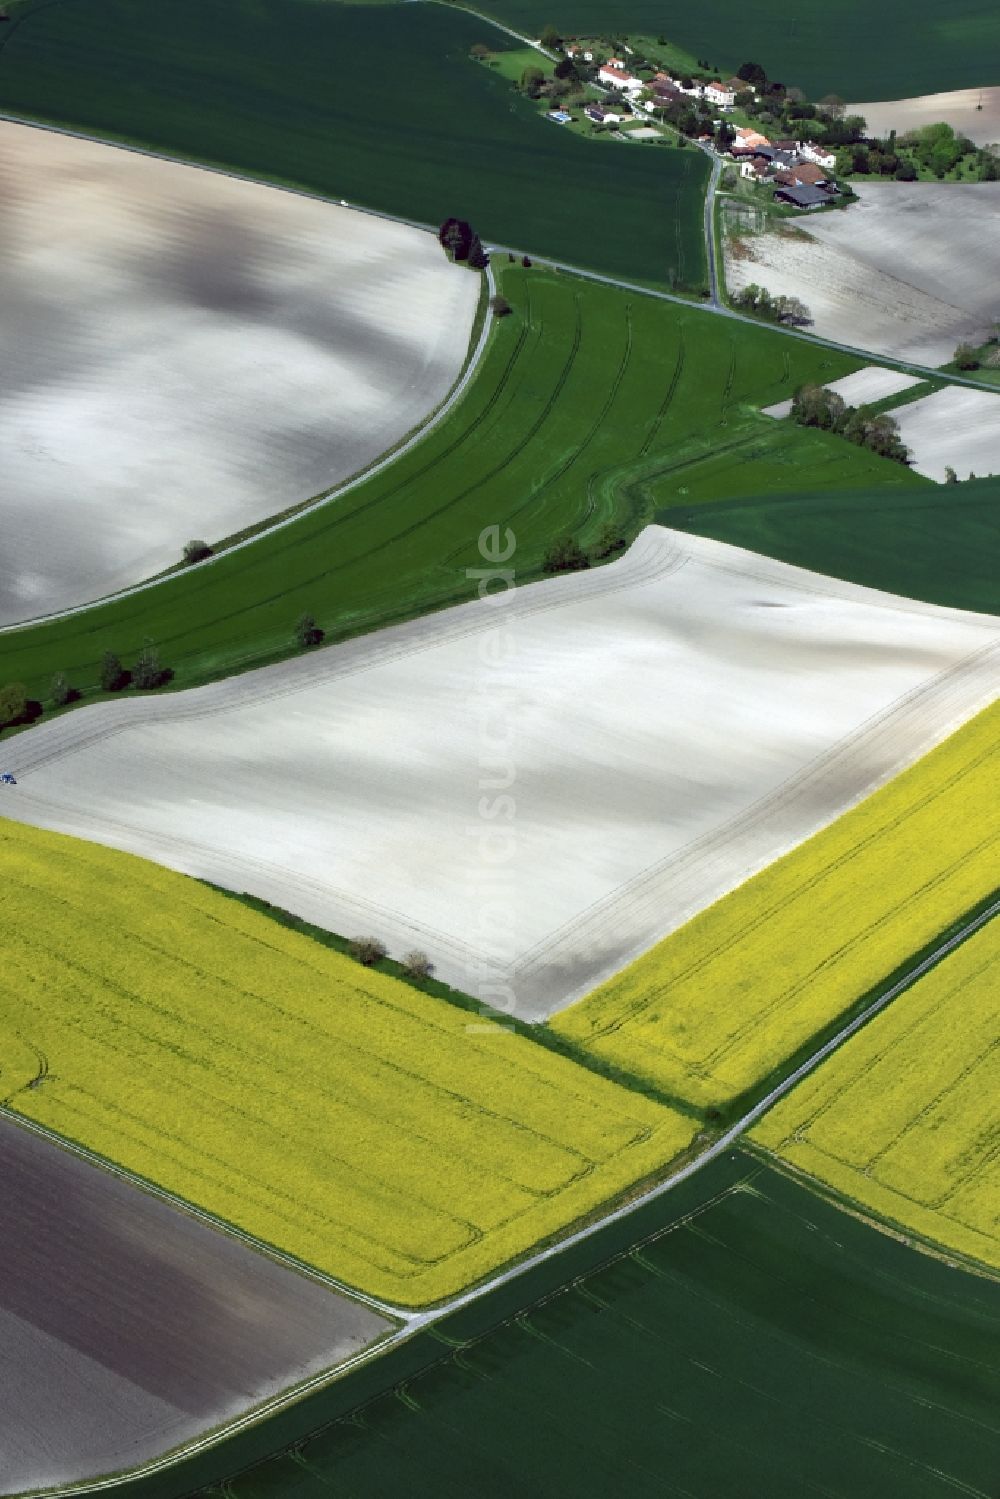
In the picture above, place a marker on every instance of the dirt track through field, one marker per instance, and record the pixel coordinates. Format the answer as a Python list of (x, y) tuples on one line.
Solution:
[(127, 1328)]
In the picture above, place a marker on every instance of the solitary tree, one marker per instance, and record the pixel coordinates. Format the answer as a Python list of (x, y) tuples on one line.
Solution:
[(950, 476), (13, 703), (367, 950), (500, 306), (477, 257), (966, 357), (793, 311), (454, 236), (61, 692), (307, 631), (611, 540), (147, 672), (112, 672), (550, 37), (526, 261), (565, 556), (531, 81), (417, 965), (752, 73), (479, 50), (564, 68), (196, 551)]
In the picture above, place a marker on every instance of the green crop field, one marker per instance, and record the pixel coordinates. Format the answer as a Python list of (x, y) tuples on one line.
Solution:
[(940, 545), (858, 51), (379, 105), (763, 1343), (590, 404)]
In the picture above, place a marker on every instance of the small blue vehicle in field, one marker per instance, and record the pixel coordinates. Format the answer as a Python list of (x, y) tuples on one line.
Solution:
[(6, 779)]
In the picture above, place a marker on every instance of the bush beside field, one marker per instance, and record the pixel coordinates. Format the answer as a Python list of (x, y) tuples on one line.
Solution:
[(727, 1001), (373, 1131), (903, 1119), (591, 406)]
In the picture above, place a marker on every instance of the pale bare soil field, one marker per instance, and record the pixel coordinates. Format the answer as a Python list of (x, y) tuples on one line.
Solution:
[(953, 428), (870, 384), (974, 112), (534, 791), (183, 354), (127, 1327), (911, 270)]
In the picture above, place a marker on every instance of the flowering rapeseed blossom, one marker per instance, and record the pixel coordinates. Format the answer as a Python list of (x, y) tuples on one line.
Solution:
[(725, 1001), (903, 1118), (330, 1110)]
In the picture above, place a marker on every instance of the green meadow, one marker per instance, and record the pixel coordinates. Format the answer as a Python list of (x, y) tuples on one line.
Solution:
[(591, 406), (938, 543), (381, 105), (853, 49), (755, 1340)]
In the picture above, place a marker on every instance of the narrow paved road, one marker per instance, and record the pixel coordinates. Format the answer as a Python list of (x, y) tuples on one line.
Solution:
[(714, 290)]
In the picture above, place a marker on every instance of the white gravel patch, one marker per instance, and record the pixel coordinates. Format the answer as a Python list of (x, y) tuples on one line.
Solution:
[(911, 270), (954, 428), (533, 791), (873, 383), (974, 112), (183, 354)]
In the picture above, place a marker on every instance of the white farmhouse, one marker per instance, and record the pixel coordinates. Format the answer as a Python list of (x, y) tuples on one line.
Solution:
[(616, 75), (718, 93), (821, 155)]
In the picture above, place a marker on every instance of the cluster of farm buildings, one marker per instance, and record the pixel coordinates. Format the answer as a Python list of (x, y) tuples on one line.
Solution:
[(797, 170)]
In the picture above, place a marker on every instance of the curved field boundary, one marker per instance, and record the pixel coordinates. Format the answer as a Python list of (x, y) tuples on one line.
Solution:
[(270, 528)]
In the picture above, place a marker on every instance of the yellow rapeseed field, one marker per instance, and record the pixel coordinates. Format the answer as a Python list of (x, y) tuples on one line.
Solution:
[(905, 1117), (727, 999), (379, 1133)]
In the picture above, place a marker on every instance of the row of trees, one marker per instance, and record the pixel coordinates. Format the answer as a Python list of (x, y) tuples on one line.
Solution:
[(935, 148), (815, 406), (759, 301), (566, 555), (461, 243), (370, 951), (17, 708)]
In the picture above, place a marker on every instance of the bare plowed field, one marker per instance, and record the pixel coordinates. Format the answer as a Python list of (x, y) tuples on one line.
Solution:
[(127, 1327), (532, 792), (974, 112), (953, 428), (910, 271), (183, 354), (861, 388)]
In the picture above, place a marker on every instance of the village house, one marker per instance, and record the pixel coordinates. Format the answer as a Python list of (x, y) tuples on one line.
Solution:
[(805, 174), (616, 75), (756, 168), (718, 93), (802, 197), (821, 155), (745, 138)]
